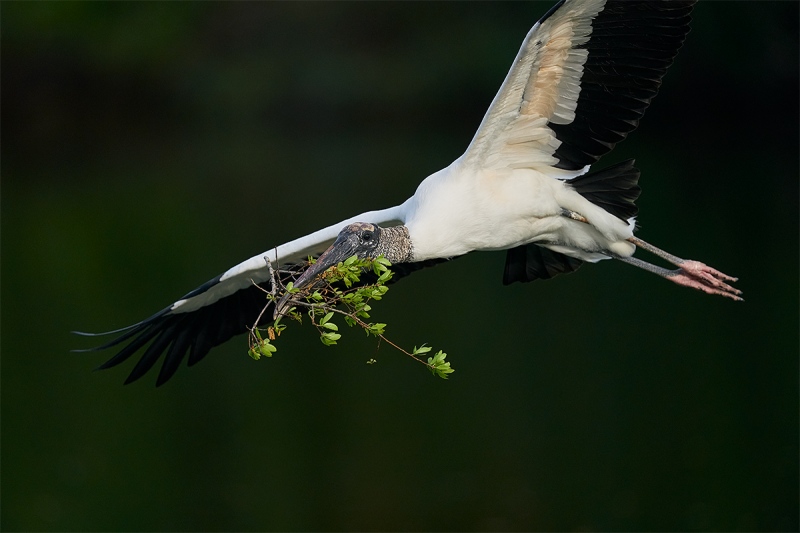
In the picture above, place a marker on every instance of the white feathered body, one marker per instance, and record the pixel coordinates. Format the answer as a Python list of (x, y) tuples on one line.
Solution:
[(458, 210)]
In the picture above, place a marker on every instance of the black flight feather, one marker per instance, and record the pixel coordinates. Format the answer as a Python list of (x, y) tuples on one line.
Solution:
[(631, 45)]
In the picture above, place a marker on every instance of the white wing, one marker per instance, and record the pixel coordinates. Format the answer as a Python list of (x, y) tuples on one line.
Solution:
[(256, 271), (583, 78)]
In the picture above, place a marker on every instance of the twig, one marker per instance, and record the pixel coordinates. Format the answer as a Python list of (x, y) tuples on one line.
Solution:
[(331, 297), (361, 323)]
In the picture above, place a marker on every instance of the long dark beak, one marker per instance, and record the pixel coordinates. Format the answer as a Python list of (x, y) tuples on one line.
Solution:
[(339, 251)]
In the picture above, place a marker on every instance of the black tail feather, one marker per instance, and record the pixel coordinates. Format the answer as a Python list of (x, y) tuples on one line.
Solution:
[(615, 188)]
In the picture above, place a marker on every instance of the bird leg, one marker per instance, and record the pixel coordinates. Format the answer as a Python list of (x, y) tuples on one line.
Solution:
[(691, 273)]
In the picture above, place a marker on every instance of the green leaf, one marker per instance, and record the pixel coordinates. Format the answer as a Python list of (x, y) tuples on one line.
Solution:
[(438, 366), (377, 329), (266, 348), (329, 338), (261, 347), (375, 294), (330, 325), (326, 318)]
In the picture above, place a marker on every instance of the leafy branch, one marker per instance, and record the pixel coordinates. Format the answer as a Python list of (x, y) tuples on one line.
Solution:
[(337, 292)]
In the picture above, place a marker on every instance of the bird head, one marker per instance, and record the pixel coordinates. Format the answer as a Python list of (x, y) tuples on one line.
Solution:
[(360, 239)]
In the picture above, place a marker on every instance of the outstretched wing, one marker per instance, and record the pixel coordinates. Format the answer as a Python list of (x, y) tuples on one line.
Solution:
[(225, 306), (582, 79)]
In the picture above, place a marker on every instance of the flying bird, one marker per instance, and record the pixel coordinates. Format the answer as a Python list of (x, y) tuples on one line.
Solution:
[(582, 80)]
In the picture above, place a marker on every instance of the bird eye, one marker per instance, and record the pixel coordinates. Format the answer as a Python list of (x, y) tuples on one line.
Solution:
[(366, 236)]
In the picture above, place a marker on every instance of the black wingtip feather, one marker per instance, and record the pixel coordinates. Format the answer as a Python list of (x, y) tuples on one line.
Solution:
[(132, 347), (201, 343), (151, 354), (175, 355)]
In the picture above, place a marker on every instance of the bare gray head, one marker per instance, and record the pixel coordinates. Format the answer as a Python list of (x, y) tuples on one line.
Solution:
[(362, 239), (367, 240)]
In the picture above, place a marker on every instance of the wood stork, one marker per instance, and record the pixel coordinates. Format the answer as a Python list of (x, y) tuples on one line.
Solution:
[(584, 76)]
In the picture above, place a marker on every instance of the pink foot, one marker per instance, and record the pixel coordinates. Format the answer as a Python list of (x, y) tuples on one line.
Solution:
[(702, 277)]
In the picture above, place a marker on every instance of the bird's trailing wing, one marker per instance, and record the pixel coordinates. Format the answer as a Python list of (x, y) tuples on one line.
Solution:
[(581, 81), (221, 308)]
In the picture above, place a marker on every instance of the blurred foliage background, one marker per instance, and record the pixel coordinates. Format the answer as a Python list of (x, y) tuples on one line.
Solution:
[(146, 147)]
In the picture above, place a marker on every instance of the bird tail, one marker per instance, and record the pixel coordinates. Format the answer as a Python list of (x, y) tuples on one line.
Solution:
[(615, 188)]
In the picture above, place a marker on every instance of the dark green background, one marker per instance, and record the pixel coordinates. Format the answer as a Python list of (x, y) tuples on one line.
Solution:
[(146, 147)]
